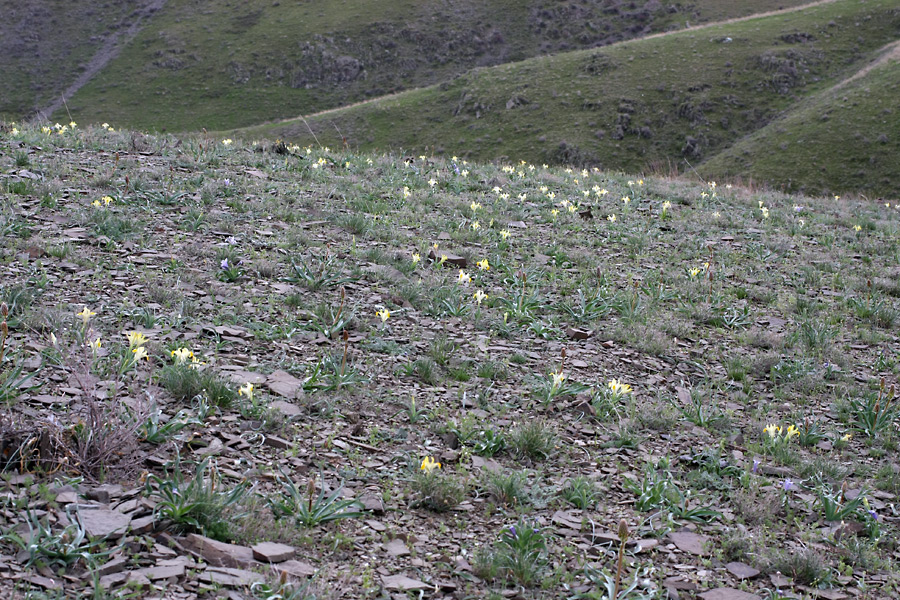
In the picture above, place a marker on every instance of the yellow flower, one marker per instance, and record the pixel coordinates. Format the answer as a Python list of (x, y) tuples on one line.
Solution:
[(46, 130), (474, 206), (617, 388), (475, 225), (773, 430), (246, 390), (72, 124), (464, 173), (464, 278), (611, 218), (483, 265), (383, 314), (227, 142), (429, 465), (139, 353), (694, 272), (791, 432), (554, 212), (846, 437), (479, 296), (600, 192), (85, 314), (416, 257), (136, 339), (107, 199), (182, 355), (95, 345), (857, 228), (666, 205), (558, 378), (105, 125), (432, 182), (14, 131), (406, 192), (96, 204), (505, 234), (765, 212), (443, 259)]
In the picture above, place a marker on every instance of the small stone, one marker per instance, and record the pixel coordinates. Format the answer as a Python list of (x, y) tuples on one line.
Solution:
[(742, 571), (404, 583), (296, 568), (284, 384), (397, 547), (451, 259), (372, 503), (276, 442), (66, 498), (116, 565), (103, 523), (230, 577), (143, 525), (220, 554), (272, 552), (286, 408), (725, 593), (686, 541), (167, 572)]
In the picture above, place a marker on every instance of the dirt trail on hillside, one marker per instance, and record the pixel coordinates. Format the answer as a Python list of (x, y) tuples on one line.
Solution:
[(654, 35), (109, 49), (887, 53)]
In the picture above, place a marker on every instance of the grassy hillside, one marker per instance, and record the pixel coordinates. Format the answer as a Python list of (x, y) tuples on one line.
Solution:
[(644, 104), (844, 138), (261, 343), (45, 43), (229, 64)]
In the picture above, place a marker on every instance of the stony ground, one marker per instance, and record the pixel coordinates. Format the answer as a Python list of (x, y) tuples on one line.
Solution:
[(250, 370)]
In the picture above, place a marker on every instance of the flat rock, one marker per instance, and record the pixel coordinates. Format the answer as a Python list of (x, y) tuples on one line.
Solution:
[(487, 464), (397, 547), (284, 384), (220, 554), (689, 542), (373, 503), (725, 593), (742, 571), (451, 260), (296, 568), (230, 577), (163, 572), (286, 408), (103, 522), (273, 552), (404, 583)]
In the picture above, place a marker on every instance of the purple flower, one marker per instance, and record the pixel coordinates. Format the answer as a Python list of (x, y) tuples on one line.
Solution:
[(224, 264), (788, 485), (227, 182), (755, 465), (512, 531), (873, 514)]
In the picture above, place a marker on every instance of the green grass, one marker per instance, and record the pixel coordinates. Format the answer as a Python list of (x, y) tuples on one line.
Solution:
[(60, 37), (219, 66), (657, 104), (854, 125)]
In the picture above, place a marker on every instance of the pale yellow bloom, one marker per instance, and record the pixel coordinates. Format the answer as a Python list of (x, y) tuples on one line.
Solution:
[(139, 353), (383, 314), (85, 314), (464, 278), (432, 182), (429, 465), (617, 388), (416, 257), (558, 378), (475, 225), (611, 218), (246, 390), (136, 339), (475, 206), (483, 264), (505, 234), (479, 296), (182, 355)]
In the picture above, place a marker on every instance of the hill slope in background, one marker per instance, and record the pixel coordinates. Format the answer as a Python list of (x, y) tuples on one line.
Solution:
[(231, 64), (47, 44), (634, 106), (844, 138)]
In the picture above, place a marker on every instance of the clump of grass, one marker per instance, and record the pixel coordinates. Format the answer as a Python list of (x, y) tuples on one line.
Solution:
[(581, 492), (534, 440), (519, 555), (508, 488), (435, 489), (185, 383)]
